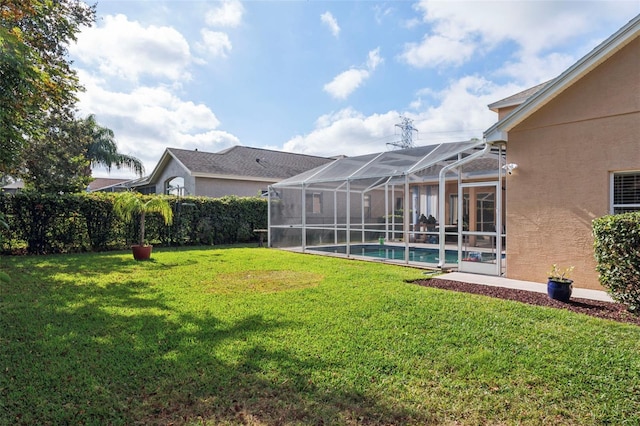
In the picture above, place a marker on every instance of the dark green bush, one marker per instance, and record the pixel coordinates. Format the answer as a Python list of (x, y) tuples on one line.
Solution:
[(617, 251), (48, 223)]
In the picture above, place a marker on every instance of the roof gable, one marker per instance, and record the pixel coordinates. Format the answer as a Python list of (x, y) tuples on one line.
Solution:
[(518, 98), (622, 37), (240, 162)]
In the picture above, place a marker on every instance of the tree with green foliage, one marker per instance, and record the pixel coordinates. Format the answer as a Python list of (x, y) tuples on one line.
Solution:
[(36, 78), (57, 162), (61, 161), (103, 151), (129, 205)]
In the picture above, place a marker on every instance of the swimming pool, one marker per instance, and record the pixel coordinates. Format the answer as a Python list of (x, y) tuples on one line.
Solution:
[(416, 254)]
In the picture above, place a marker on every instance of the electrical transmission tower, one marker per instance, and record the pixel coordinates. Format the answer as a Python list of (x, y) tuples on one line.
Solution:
[(406, 126)]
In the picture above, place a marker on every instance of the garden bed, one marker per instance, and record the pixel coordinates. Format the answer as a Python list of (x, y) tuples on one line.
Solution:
[(595, 308)]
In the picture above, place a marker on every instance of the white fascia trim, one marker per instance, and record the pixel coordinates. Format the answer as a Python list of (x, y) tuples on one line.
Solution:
[(622, 37), (164, 160), (493, 134)]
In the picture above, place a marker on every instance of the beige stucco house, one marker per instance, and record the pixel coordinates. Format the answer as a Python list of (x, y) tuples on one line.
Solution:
[(239, 170), (561, 154), (576, 143)]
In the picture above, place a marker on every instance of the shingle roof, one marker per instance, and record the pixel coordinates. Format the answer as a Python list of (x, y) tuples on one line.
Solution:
[(517, 98), (245, 161), (100, 183)]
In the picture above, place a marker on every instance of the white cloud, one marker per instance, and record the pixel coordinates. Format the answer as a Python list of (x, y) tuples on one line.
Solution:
[(532, 70), (345, 83), (229, 14), (128, 50), (215, 43), (348, 81), (457, 31), (381, 12), (438, 50), (374, 59), (330, 21), (458, 112), (346, 132), (149, 119)]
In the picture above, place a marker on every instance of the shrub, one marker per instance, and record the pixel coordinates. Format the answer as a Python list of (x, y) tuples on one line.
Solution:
[(617, 251), (60, 223)]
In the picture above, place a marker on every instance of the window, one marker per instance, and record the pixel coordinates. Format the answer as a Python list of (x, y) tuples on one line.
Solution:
[(367, 206), (314, 203), (486, 212), (625, 188), (453, 209), (175, 186)]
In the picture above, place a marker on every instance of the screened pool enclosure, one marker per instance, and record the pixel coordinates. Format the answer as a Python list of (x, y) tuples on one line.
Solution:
[(437, 205)]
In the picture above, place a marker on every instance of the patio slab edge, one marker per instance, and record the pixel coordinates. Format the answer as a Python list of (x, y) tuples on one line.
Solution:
[(581, 293)]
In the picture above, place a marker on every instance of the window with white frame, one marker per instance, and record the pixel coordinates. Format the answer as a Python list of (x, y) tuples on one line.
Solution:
[(625, 191), (453, 209)]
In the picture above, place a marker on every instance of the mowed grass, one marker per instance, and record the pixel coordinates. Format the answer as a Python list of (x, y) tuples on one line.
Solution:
[(266, 337)]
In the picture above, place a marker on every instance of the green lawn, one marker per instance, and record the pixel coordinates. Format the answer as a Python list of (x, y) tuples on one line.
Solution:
[(265, 337)]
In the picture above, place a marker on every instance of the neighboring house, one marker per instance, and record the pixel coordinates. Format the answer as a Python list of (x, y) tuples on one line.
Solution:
[(240, 170), (108, 185), (576, 141), (13, 187)]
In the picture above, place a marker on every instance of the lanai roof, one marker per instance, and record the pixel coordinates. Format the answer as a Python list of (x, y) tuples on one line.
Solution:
[(418, 163)]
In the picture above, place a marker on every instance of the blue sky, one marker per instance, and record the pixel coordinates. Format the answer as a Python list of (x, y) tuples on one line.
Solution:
[(320, 77)]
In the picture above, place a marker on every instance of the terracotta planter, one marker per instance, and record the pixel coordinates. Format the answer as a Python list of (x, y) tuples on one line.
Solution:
[(141, 252), (560, 290)]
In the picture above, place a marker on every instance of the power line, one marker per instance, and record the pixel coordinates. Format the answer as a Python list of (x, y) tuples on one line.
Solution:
[(406, 126)]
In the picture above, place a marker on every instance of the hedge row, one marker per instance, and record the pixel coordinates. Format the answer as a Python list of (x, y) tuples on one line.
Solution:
[(617, 251), (46, 223)]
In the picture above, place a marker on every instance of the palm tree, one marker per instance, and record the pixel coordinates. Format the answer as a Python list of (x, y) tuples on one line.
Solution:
[(103, 151), (129, 204)]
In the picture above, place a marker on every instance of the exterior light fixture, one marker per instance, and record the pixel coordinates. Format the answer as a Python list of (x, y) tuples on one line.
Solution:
[(510, 167)]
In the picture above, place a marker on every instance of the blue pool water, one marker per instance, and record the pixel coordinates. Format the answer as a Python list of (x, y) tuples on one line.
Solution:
[(416, 254)]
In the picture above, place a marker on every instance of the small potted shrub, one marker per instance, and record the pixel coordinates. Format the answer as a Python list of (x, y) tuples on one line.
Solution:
[(559, 285), (129, 204)]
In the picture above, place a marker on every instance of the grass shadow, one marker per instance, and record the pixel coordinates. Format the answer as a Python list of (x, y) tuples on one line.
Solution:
[(121, 353)]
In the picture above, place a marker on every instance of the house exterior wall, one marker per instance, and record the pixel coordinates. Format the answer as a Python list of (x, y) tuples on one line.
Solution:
[(566, 153), (173, 170), (214, 187), (503, 112)]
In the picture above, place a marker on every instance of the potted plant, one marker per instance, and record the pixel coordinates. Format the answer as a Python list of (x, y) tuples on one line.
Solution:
[(129, 204), (559, 285)]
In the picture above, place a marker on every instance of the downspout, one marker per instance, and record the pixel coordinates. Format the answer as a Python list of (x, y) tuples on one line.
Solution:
[(442, 194)]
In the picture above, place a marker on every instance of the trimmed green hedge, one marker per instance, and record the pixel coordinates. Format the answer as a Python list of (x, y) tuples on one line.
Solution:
[(47, 223), (617, 251)]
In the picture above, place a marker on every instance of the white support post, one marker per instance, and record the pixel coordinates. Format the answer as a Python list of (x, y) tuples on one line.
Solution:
[(269, 189), (335, 217), (407, 215), (386, 212), (348, 252), (304, 218), (362, 215)]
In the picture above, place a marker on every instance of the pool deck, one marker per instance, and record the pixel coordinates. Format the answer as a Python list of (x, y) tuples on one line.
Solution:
[(580, 293)]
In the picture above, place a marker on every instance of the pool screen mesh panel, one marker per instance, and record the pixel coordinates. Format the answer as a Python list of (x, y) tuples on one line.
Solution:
[(384, 164), (362, 200)]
